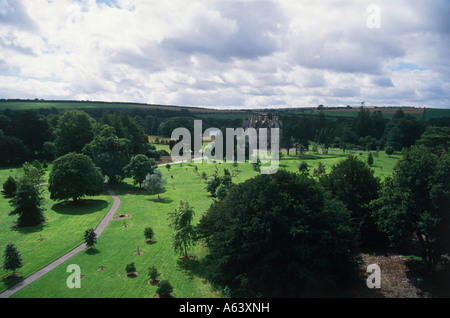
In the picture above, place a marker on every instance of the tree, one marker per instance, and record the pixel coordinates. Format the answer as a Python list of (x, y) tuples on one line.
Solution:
[(281, 228), (185, 233), (389, 150), (415, 201), (31, 128), (436, 139), (126, 127), (155, 183), (33, 174), (130, 269), (90, 238), (395, 139), (165, 289), (320, 170), (110, 153), (354, 183), (363, 124), (9, 187), (403, 131), (12, 258), (13, 150), (74, 176), (149, 234), (27, 203), (370, 159), (221, 192), (303, 167), (215, 181), (257, 165), (139, 167), (75, 129), (153, 274), (49, 151)]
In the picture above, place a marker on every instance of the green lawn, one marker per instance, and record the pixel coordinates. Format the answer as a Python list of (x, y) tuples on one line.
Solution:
[(63, 230), (117, 244)]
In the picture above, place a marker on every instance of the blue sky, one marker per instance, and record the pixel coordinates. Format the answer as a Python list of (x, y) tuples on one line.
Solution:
[(236, 53)]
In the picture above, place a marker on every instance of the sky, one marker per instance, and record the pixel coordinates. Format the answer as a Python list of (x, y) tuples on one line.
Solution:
[(228, 53)]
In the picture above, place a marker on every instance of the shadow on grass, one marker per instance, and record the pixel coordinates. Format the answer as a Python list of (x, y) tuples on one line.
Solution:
[(29, 229), (81, 207), (194, 267), (160, 200), (126, 188), (92, 251), (10, 282)]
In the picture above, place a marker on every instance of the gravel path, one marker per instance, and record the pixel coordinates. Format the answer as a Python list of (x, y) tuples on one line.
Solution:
[(100, 228)]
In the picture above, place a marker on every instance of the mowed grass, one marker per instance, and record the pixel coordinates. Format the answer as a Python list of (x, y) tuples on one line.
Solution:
[(62, 231), (116, 246), (383, 164)]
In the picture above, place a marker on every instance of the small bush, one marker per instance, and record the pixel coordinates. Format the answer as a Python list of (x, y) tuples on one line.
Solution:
[(130, 268), (148, 233), (389, 151), (9, 187), (165, 289), (153, 273)]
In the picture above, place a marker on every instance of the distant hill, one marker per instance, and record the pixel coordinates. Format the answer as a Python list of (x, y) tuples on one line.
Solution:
[(205, 112)]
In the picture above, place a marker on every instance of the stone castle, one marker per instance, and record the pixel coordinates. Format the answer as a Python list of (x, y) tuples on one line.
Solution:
[(264, 122)]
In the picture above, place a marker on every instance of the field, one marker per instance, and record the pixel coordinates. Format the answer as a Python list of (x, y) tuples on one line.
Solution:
[(103, 269), (388, 112), (63, 105)]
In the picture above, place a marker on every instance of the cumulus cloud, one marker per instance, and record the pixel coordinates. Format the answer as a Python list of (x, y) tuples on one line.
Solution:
[(241, 53)]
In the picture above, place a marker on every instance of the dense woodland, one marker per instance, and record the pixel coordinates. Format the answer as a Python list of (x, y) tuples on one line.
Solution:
[(304, 231)]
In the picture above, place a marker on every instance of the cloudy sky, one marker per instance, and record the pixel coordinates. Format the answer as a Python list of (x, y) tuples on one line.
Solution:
[(228, 53)]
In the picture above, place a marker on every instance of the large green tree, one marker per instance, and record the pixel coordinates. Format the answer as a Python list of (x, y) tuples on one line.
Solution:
[(415, 203), (32, 128), (75, 129), (27, 203), (354, 183), (184, 231), (110, 153), (139, 167), (74, 176), (126, 127), (13, 150), (154, 183), (279, 235)]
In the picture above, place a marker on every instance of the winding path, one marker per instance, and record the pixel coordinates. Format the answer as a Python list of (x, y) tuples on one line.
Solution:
[(100, 228)]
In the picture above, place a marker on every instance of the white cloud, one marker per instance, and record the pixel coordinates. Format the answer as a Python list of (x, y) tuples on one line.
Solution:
[(244, 53)]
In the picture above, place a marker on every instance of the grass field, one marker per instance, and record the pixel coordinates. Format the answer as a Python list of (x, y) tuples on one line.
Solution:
[(388, 112), (62, 105), (63, 230), (117, 244)]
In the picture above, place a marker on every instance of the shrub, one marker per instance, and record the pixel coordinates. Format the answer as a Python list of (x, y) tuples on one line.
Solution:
[(130, 269), (165, 289), (389, 151), (153, 273), (9, 187), (148, 233)]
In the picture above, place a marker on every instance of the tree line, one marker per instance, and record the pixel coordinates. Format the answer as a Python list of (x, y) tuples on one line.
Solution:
[(296, 234), (367, 131)]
